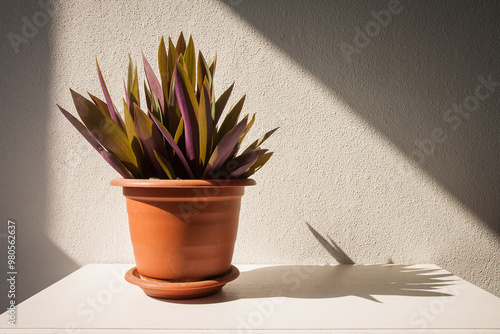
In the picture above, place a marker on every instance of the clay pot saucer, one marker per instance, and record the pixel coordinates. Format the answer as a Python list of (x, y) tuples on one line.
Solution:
[(180, 290)]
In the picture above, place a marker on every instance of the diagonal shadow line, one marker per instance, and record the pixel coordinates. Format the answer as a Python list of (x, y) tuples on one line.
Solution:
[(404, 80), (331, 247)]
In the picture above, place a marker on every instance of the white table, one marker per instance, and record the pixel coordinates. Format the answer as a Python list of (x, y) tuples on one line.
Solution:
[(268, 299)]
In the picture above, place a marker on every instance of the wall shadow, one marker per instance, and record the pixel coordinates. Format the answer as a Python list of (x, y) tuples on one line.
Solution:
[(331, 247), (412, 78), (24, 128)]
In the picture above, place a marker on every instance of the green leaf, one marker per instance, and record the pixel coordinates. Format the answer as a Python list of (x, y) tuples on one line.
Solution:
[(203, 72), (172, 59), (173, 144), (134, 140), (109, 134), (115, 116), (189, 57), (230, 120), (240, 141), (150, 138), (179, 131), (212, 64), (223, 150), (99, 103), (167, 167), (205, 125), (163, 65), (188, 105), (181, 45), (81, 128), (221, 104), (257, 165), (259, 141)]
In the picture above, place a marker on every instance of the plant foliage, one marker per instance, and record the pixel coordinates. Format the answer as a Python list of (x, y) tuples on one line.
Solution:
[(181, 135)]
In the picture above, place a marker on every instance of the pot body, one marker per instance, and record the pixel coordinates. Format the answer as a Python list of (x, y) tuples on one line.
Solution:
[(183, 230)]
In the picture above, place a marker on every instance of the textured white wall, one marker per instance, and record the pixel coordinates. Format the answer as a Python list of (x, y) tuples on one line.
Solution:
[(350, 108)]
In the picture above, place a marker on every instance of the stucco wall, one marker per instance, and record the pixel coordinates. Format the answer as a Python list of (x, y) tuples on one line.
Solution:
[(388, 142)]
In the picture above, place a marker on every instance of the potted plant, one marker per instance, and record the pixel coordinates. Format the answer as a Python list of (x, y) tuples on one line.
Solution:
[(183, 168)]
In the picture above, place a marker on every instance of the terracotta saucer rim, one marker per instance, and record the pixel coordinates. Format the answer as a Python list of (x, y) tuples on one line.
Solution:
[(132, 276)]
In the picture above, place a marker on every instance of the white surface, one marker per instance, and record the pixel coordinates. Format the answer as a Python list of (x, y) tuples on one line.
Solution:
[(343, 152), (281, 299)]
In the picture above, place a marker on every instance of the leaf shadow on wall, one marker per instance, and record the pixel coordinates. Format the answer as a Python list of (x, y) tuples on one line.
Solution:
[(418, 72)]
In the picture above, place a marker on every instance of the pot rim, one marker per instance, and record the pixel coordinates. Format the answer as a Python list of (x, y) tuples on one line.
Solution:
[(186, 183)]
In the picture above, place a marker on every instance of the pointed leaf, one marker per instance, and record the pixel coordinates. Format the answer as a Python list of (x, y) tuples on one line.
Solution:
[(224, 149), (112, 111), (167, 167), (245, 161), (134, 90), (189, 109), (163, 66), (181, 45), (249, 126), (212, 64), (259, 141), (147, 93), (189, 57), (203, 72), (172, 143), (114, 162), (257, 165), (172, 60), (100, 104), (179, 131), (134, 140), (231, 119), (81, 128), (153, 82), (109, 134), (127, 99), (204, 125), (221, 103), (130, 79), (150, 138)]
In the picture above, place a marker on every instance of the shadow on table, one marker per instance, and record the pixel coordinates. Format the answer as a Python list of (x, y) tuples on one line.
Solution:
[(314, 281)]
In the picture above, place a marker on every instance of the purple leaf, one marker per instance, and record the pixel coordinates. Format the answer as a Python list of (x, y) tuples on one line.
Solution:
[(112, 111), (225, 148), (257, 165), (150, 138), (245, 161), (116, 164), (82, 129), (172, 143), (188, 112), (154, 84)]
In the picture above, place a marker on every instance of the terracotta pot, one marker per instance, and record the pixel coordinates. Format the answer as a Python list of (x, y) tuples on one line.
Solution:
[(183, 230)]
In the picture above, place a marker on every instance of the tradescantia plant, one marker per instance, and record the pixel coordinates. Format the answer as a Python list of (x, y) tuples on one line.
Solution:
[(179, 137)]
